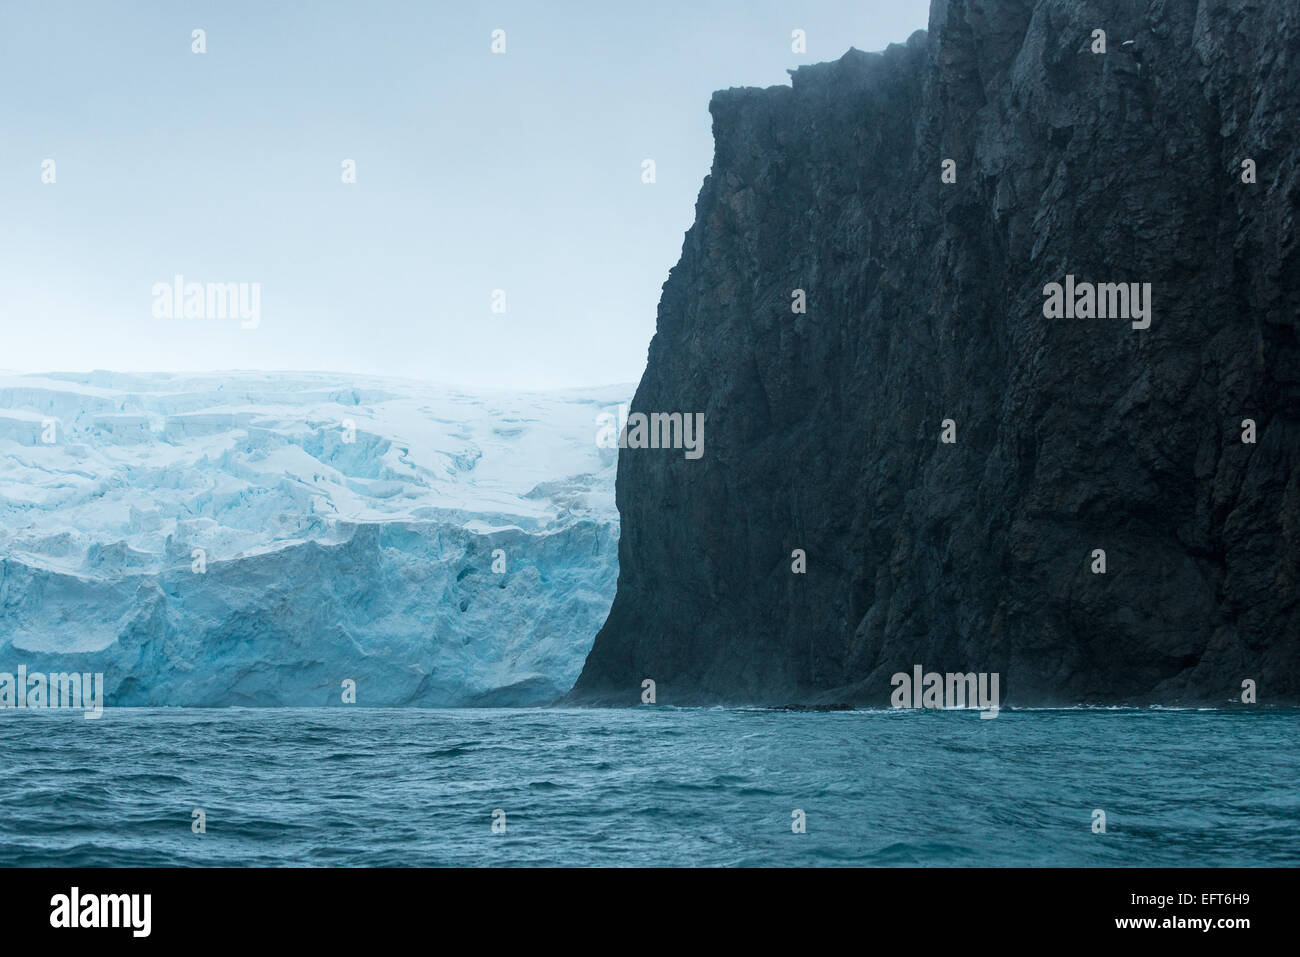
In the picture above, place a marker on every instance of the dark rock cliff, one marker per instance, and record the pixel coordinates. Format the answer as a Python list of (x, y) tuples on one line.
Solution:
[(925, 302)]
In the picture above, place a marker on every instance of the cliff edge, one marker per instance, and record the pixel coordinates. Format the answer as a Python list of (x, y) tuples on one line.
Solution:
[(948, 442)]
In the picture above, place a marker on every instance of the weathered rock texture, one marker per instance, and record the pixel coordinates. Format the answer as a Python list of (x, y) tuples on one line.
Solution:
[(925, 302)]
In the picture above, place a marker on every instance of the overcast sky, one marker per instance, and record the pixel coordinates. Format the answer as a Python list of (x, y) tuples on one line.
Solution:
[(475, 172)]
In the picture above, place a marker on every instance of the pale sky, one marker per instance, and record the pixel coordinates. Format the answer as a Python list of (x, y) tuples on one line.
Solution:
[(474, 172)]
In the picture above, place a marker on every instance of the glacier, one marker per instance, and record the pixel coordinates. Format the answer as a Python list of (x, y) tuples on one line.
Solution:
[(257, 539)]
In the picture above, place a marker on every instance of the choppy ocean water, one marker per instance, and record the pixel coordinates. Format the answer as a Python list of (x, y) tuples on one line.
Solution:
[(649, 786)]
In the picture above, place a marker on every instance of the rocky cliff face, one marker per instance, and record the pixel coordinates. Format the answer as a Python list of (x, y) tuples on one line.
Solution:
[(925, 303)]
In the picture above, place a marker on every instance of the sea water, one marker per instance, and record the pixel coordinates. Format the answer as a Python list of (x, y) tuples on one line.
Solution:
[(649, 786)]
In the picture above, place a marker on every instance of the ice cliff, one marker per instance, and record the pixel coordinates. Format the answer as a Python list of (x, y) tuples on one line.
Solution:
[(256, 539)]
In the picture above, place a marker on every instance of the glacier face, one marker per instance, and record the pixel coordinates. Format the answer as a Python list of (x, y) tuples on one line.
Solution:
[(256, 539)]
